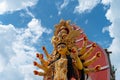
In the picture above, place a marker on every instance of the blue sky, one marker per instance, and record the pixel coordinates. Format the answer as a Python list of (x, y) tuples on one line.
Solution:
[(27, 25)]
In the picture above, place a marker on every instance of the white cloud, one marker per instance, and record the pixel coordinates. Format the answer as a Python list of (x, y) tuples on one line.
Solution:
[(29, 13), (105, 29), (13, 5), (11, 73), (3, 7), (86, 5), (61, 6), (2, 62), (106, 2), (65, 3), (113, 15), (17, 50), (7, 35)]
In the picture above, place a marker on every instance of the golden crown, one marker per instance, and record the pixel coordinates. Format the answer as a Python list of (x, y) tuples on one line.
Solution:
[(64, 33)]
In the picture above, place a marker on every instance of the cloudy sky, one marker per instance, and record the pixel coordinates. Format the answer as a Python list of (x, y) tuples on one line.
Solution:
[(27, 25)]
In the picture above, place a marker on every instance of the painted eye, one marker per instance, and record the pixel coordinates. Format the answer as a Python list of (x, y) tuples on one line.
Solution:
[(63, 46), (58, 47)]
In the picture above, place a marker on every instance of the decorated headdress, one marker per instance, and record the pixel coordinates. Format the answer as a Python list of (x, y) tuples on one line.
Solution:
[(64, 33)]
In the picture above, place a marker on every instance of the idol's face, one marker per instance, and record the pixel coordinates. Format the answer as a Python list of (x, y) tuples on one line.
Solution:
[(62, 49)]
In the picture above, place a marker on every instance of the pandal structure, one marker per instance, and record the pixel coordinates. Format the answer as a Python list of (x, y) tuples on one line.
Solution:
[(70, 59)]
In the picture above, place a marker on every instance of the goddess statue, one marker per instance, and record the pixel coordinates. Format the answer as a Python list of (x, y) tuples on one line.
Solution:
[(67, 61)]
